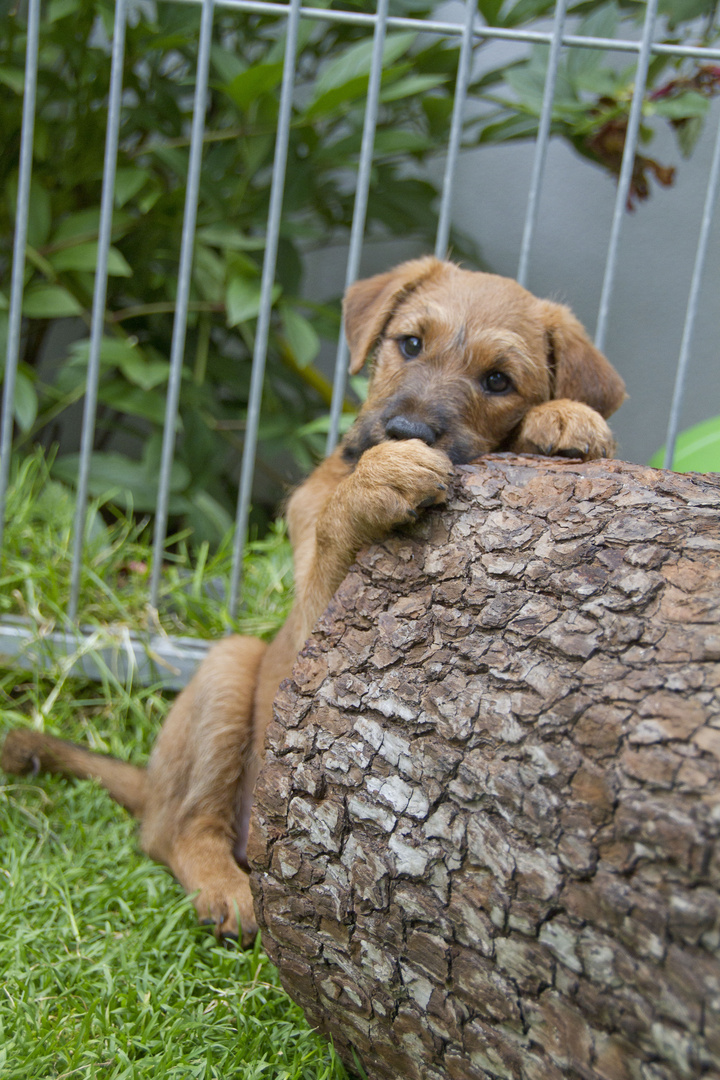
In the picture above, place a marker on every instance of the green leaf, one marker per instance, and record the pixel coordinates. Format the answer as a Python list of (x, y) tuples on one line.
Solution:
[(26, 402), (85, 224), (329, 102), (60, 9), (226, 63), (231, 239), (602, 82), (528, 82), (490, 10), (115, 477), (321, 425), (347, 77), (147, 374), (84, 257), (679, 11), (357, 61), (113, 351), (438, 111), (411, 86), (250, 84), (513, 127), (601, 23), (50, 302), (13, 78), (242, 299), (684, 106), (687, 134), (696, 450), (208, 519), (39, 209), (208, 274), (526, 11), (133, 401), (397, 141), (128, 181), (126, 356), (304, 343)]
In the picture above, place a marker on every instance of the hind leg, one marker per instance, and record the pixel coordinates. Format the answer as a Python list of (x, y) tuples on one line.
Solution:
[(201, 769)]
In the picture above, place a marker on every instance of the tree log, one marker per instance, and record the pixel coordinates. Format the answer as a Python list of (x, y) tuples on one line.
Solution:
[(486, 834)]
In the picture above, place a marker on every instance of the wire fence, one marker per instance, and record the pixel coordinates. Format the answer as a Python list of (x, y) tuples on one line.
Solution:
[(178, 656)]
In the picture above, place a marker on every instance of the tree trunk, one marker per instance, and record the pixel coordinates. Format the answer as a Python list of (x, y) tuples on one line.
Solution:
[(486, 835)]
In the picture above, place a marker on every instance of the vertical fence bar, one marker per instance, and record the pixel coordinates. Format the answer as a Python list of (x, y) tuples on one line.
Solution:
[(262, 330), (626, 170), (99, 296), (461, 85), (359, 213), (177, 348), (18, 268), (695, 285), (543, 138)]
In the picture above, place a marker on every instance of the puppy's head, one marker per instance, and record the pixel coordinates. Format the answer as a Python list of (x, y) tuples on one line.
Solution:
[(460, 357)]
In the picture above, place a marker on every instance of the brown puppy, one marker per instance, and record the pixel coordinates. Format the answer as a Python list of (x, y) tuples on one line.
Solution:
[(464, 363)]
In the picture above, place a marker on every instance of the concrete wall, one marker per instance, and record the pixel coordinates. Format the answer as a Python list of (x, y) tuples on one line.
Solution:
[(657, 252), (656, 256)]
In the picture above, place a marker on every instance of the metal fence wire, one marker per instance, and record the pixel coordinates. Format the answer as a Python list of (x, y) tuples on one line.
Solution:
[(175, 659)]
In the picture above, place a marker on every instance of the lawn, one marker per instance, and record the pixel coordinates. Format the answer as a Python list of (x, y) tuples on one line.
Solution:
[(105, 972)]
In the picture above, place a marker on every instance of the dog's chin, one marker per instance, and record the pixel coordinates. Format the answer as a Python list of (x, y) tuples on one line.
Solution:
[(462, 453)]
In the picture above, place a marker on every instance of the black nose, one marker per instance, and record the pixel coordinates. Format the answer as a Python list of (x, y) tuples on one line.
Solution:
[(403, 427)]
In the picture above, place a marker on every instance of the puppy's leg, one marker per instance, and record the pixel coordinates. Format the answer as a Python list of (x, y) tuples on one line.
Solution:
[(200, 775), (564, 428), (391, 482)]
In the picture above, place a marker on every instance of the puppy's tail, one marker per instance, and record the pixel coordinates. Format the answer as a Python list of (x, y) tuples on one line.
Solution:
[(33, 752)]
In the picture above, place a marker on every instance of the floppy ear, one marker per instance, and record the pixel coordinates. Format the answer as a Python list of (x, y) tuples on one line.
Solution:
[(578, 370), (368, 304)]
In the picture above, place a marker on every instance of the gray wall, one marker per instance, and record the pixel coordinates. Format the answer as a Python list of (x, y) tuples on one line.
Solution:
[(657, 252), (656, 257)]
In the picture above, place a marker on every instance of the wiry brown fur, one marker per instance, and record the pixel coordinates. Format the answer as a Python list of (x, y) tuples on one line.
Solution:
[(422, 415)]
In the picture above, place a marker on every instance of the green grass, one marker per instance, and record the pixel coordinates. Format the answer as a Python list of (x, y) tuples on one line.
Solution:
[(104, 971), (35, 573)]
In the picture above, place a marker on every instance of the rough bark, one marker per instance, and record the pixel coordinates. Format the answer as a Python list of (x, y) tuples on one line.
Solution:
[(486, 835)]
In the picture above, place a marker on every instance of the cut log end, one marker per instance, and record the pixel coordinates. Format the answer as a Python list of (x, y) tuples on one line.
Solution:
[(486, 835)]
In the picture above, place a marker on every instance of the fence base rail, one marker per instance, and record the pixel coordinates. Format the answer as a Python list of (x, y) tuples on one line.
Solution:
[(101, 652)]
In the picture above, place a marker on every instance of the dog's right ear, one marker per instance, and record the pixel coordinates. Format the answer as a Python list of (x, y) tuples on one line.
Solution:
[(580, 371), (368, 304)]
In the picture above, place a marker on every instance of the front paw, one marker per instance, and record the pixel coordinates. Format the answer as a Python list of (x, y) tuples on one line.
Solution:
[(565, 428), (392, 482)]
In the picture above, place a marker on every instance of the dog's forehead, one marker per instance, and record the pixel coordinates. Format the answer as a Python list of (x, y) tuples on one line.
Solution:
[(474, 299)]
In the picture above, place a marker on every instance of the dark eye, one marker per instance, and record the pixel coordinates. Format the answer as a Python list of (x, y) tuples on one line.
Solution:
[(496, 382), (410, 346)]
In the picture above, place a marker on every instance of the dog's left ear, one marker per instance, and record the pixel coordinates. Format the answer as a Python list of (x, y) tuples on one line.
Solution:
[(580, 371), (368, 304)]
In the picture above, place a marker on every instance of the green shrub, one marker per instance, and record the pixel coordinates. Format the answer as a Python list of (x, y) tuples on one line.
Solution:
[(418, 82)]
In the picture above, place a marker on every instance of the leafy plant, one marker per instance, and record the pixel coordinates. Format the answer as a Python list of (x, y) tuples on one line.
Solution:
[(697, 449), (593, 92), (246, 68)]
